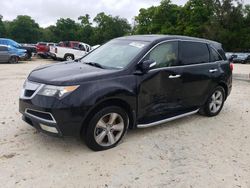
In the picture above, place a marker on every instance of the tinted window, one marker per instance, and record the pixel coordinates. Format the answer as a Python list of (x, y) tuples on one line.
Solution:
[(3, 48), (165, 55), (193, 53), (42, 43), (3, 42), (75, 45), (82, 47), (214, 56)]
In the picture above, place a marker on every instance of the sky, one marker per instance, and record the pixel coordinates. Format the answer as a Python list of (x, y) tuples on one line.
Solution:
[(46, 12)]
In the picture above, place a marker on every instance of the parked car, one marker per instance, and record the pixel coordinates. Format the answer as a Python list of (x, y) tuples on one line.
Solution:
[(68, 53), (242, 58), (129, 82), (230, 55), (43, 48), (29, 49), (10, 54)]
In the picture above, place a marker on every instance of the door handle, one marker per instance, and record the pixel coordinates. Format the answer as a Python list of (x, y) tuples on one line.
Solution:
[(174, 76), (213, 70)]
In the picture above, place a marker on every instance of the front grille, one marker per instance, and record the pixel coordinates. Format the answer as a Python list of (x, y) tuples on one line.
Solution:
[(40, 115)]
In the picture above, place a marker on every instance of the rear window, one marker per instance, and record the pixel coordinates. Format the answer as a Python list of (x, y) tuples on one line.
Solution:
[(42, 43), (193, 53)]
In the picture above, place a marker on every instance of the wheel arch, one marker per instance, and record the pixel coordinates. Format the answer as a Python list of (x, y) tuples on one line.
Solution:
[(110, 102), (15, 56), (222, 84), (69, 54)]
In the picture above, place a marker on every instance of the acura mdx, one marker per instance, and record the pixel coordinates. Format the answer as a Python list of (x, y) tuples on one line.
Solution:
[(129, 82)]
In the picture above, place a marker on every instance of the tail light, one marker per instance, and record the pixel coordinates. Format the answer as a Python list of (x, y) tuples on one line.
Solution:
[(55, 50), (231, 66)]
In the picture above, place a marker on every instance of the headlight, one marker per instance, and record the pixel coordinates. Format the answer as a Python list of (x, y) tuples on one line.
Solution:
[(56, 91)]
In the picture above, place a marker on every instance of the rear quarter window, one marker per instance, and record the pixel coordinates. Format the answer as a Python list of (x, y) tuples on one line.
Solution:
[(214, 55), (193, 52)]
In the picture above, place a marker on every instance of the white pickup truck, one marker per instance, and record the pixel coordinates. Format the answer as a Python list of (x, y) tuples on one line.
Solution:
[(74, 51)]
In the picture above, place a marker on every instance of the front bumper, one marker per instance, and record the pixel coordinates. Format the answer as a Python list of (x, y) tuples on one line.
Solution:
[(64, 121), (49, 114), (52, 55), (47, 128), (22, 57)]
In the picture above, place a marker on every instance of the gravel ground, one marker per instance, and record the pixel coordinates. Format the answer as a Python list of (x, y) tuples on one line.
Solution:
[(194, 151)]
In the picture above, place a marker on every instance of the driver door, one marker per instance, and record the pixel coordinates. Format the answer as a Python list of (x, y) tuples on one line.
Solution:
[(159, 90)]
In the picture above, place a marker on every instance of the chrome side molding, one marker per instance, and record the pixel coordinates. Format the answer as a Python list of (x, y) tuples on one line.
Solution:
[(166, 120)]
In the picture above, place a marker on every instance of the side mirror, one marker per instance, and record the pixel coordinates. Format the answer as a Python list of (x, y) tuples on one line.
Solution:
[(147, 65)]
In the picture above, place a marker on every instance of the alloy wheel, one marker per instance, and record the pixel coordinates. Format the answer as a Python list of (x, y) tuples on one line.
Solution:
[(216, 101), (69, 58), (109, 129)]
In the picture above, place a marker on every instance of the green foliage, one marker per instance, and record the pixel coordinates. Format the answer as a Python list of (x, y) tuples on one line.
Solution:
[(24, 29), (2, 27), (109, 27), (226, 21)]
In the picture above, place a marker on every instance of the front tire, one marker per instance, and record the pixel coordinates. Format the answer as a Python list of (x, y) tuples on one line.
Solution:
[(13, 60), (28, 56), (215, 103), (106, 128)]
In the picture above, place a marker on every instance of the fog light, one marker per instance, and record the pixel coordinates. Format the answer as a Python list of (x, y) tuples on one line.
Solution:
[(48, 128)]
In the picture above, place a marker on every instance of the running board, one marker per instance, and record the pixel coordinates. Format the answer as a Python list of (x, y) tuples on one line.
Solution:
[(166, 120)]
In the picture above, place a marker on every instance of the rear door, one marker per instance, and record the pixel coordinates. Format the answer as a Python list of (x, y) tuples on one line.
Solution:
[(4, 54), (199, 74)]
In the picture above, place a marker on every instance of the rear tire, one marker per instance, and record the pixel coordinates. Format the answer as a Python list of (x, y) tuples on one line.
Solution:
[(106, 128), (214, 103), (69, 57)]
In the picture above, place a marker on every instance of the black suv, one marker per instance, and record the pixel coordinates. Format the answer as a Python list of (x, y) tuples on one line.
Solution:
[(129, 82)]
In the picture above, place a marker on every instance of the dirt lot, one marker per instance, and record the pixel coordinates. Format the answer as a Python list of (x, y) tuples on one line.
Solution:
[(194, 151)]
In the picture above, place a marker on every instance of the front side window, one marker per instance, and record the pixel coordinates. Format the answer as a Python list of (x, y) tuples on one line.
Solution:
[(165, 55), (3, 48), (116, 54), (193, 52)]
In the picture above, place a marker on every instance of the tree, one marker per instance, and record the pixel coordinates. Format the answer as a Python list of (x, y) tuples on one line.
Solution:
[(86, 30), (109, 27), (66, 29), (24, 29), (162, 19), (2, 27), (195, 17)]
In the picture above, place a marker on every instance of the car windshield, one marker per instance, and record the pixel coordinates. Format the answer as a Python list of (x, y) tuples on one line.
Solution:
[(14, 43), (115, 54)]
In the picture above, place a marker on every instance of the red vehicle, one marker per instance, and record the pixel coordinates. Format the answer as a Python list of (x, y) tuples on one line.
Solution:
[(42, 49)]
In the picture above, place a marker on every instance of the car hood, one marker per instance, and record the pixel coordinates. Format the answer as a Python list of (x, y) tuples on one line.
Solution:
[(68, 73)]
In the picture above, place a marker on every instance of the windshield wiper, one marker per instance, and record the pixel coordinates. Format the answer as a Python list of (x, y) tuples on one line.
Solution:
[(94, 64)]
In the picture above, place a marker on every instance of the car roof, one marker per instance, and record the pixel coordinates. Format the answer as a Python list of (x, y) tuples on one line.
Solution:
[(159, 38), (5, 39)]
